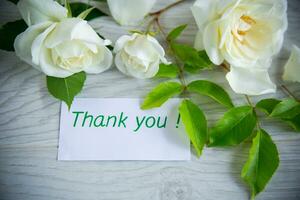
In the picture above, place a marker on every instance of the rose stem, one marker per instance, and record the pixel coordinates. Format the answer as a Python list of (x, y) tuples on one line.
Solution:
[(156, 21), (287, 91), (254, 110), (157, 13), (248, 100), (180, 66)]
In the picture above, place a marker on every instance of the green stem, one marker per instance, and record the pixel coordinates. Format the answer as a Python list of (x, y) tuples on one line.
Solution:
[(156, 16), (177, 61), (249, 101), (166, 8), (254, 110), (288, 92), (225, 66)]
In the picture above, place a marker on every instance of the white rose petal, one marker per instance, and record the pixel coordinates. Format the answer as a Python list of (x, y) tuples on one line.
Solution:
[(37, 44), (130, 12), (241, 81), (199, 41), (292, 67), (244, 33), (49, 67), (204, 11), (37, 11), (139, 55), (74, 28), (101, 65), (211, 35), (159, 49), (120, 43), (23, 42)]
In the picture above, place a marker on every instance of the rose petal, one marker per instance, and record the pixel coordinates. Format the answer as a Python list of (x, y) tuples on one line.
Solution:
[(73, 28), (159, 49), (151, 70), (38, 44), (23, 42), (120, 64), (130, 12), (141, 48), (250, 81), (198, 44), (122, 41), (37, 11), (292, 67), (212, 41), (204, 11), (49, 68), (104, 63)]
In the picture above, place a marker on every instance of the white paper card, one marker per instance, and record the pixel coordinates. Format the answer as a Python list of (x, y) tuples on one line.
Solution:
[(117, 129)]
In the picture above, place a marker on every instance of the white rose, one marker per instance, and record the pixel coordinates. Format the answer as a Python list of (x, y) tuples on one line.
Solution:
[(292, 67), (57, 45), (130, 12), (246, 34), (139, 55)]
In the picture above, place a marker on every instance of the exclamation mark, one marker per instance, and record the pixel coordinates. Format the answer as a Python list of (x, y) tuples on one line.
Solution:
[(178, 120)]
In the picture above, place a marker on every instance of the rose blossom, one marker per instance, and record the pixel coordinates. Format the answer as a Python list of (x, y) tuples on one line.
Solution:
[(244, 33)]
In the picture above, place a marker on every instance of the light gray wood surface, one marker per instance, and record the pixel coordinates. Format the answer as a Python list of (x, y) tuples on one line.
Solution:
[(29, 122)]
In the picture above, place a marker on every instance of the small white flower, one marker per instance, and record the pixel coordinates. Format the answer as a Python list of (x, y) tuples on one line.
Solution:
[(292, 67), (246, 34), (57, 45), (139, 55), (130, 12)]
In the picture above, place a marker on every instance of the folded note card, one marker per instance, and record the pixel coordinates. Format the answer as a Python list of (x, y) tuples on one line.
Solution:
[(117, 129)]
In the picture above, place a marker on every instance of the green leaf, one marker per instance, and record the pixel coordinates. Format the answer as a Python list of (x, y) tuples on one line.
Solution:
[(79, 8), (167, 71), (286, 109), (294, 122), (194, 69), (66, 89), (184, 52), (195, 124), (191, 57), (267, 105), (9, 32), (160, 94), (191, 69), (205, 57), (235, 126), (212, 90), (262, 163), (175, 33)]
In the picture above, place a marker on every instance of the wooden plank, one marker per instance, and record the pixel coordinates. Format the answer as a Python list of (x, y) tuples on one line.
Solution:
[(29, 122)]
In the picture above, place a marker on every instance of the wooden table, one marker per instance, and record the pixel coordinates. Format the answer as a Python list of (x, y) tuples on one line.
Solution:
[(29, 122)]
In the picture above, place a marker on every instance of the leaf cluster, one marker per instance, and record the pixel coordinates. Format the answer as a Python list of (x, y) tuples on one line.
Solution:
[(287, 110), (239, 124)]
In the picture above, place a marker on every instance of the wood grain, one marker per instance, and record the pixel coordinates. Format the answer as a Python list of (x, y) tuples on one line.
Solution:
[(29, 122)]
